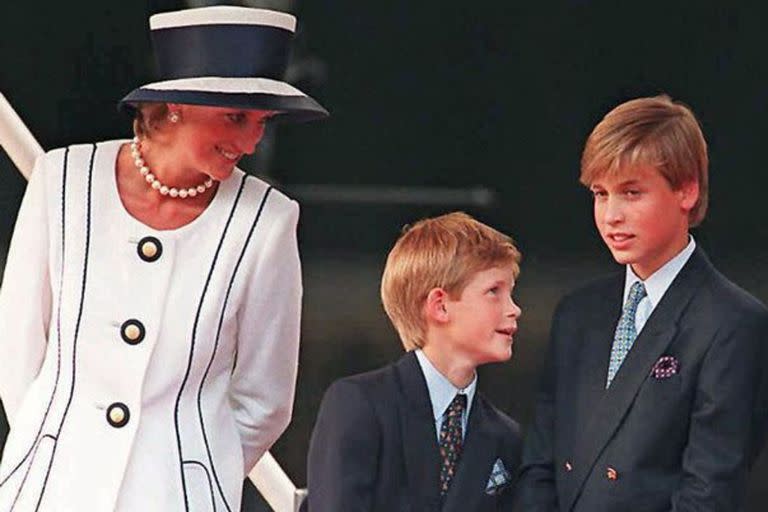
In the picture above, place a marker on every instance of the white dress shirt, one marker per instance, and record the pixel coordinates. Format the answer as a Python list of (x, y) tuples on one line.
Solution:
[(656, 285)]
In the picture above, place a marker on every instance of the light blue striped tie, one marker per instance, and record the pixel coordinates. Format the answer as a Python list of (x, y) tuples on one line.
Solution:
[(625, 330)]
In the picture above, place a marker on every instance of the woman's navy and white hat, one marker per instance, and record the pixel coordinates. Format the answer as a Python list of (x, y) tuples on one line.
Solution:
[(225, 56)]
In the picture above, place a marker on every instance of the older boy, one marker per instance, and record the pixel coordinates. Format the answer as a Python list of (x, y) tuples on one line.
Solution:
[(659, 404), (415, 435)]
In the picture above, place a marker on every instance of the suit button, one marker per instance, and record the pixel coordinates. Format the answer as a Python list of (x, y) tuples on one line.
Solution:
[(132, 331), (150, 249), (118, 415), (568, 467), (611, 474)]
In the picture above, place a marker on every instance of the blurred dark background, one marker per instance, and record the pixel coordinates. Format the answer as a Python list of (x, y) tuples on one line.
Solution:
[(425, 96)]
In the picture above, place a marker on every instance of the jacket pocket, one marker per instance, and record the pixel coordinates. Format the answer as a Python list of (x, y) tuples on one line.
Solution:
[(26, 485), (199, 487)]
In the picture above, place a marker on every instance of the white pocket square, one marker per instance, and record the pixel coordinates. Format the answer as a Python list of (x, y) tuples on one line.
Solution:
[(498, 480)]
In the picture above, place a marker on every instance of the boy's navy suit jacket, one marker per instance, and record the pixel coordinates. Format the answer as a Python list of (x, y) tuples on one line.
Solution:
[(374, 448), (651, 442)]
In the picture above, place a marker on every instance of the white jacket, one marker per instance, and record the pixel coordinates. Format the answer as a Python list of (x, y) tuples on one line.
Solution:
[(136, 379)]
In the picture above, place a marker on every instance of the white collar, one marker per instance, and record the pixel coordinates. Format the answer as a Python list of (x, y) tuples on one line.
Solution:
[(441, 390), (657, 283)]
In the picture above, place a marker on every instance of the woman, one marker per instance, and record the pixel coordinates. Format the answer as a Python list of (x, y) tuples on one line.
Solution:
[(151, 298)]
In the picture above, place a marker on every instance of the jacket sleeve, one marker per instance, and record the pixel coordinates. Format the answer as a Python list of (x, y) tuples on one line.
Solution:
[(343, 452), (264, 377), (727, 419), (25, 296), (536, 491)]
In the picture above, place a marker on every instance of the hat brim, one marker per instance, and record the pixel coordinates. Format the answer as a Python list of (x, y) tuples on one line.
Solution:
[(290, 103)]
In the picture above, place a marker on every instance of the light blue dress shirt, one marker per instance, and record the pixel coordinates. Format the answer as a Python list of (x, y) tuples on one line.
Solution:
[(656, 285), (441, 393)]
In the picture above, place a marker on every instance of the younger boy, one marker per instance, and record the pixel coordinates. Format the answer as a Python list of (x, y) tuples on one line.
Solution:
[(416, 435), (653, 397)]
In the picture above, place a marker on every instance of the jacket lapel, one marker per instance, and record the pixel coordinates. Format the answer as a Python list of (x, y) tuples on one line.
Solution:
[(595, 353), (478, 455), (653, 340), (419, 438)]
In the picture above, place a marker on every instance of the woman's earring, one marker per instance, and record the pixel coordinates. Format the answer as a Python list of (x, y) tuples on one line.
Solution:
[(174, 117)]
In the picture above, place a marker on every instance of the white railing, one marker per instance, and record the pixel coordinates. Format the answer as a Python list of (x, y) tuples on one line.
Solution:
[(23, 149)]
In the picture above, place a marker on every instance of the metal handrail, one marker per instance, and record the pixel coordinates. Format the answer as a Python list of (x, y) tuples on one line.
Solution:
[(23, 149)]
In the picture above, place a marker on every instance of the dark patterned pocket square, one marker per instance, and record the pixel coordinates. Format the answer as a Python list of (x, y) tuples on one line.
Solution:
[(499, 479), (665, 367)]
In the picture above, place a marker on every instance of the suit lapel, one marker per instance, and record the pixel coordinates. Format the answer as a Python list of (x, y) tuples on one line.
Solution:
[(653, 340), (419, 438), (478, 455), (595, 353)]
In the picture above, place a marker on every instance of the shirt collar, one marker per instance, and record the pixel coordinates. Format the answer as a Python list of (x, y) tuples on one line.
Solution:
[(657, 283), (441, 390)]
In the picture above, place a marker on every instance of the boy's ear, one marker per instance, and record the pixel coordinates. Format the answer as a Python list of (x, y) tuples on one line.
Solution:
[(689, 195), (435, 306)]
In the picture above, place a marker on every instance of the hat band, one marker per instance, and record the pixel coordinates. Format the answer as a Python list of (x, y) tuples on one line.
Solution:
[(227, 85), (222, 50), (223, 15)]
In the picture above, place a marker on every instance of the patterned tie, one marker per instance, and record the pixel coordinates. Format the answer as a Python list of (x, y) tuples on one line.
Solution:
[(451, 441), (625, 330)]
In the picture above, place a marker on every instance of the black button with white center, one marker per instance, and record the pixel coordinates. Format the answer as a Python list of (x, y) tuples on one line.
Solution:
[(150, 249), (132, 331), (118, 415)]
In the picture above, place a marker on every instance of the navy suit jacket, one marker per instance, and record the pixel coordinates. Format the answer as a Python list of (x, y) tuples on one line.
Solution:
[(649, 443), (374, 448)]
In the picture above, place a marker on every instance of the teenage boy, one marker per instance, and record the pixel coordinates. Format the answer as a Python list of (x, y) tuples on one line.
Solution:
[(653, 396), (416, 434)]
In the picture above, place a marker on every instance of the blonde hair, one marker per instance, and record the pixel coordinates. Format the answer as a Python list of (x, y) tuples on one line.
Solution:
[(656, 132), (441, 252), (148, 117)]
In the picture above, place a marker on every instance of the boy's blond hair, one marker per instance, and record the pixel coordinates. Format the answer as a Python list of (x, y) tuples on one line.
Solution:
[(655, 132), (441, 252)]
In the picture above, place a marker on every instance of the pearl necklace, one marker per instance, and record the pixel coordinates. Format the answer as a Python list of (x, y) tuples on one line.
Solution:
[(165, 190)]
